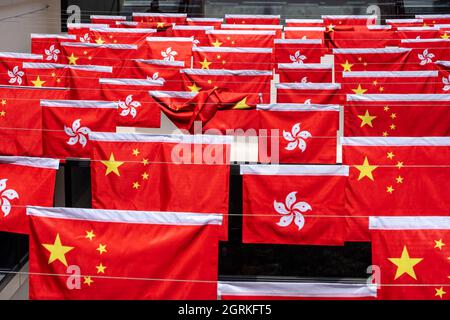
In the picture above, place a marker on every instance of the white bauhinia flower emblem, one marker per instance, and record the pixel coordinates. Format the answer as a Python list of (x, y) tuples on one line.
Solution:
[(304, 80), (51, 53), (5, 196), (15, 75), (77, 133), (296, 138), (426, 57), (129, 106), (156, 77), (297, 57), (85, 38), (307, 101), (446, 82), (291, 211), (196, 42), (169, 54)]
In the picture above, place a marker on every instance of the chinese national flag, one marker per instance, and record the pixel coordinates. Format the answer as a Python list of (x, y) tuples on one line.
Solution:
[(162, 19), (299, 51), (170, 49), (215, 22), (304, 22), (306, 133), (24, 181), (394, 176), (241, 38), (120, 35), (304, 33), (362, 38), (49, 45), (252, 19), (89, 254), (21, 118), (399, 115), (11, 71), (135, 107), (425, 52), (232, 58), (349, 20), (104, 19), (310, 93), (196, 32), (243, 82), (412, 257), (148, 172), (305, 72), (263, 290), (433, 19), (67, 125), (292, 204)]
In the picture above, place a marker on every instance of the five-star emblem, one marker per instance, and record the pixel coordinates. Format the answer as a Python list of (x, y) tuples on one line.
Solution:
[(405, 264)]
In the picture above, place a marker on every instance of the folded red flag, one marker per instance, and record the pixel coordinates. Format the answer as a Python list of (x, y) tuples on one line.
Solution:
[(425, 52), (412, 257), (49, 45), (241, 38), (305, 72), (349, 20), (215, 22), (304, 33), (277, 28), (111, 20), (304, 23), (160, 18), (394, 176), (170, 48), (67, 125), (196, 32), (24, 181), (294, 204), (135, 107), (305, 133), (11, 71), (148, 172), (252, 19), (309, 93), (21, 118), (81, 30), (417, 32), (87, 254), (299, 51), (399, 115), (404, 22), (120, 35), (370, 37), (432, 19)]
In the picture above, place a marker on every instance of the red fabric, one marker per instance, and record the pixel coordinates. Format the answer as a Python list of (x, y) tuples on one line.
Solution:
[(110, 20), (49, 45), (304, 136), (315, 93), (241, 38), (304, 23), (124, 36), (255, 27), (139, 261), (430, 272), (215, 22), (304, 33), (186, 187), (288, 51), (67, 128), (21, 119), (300, 72), (415, 34), (318, 197), (165, 18), (418, 191), (349, 20), (256, 19), (197, 32), (170, 49), (427, 51), (362, 38), (11, 71), (22, 185)]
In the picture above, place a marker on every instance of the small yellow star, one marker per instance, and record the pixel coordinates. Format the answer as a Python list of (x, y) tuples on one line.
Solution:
[(330, 27), (145, 162), (145, 176), (390, 155), (439, 244), (53, 74), (232, 42), (219, 56), (110, 36), (347, 66), (85, 52), (359, 90), (440, 292), (99, 40), (217, 43), (2, 113), (445, 36), (399, 164), (209, 81), (3, 102), (88, 281), (112, 165), (72, 59), (399, 179), (100, 268), (381, 89), (405, 264), (90, 235), (386, 108), (136, 152), (366, 119), (205, 64), (38, 82), (365, 170), (360, 59), (101, 248), (385, 134), (194, 88), (375, 82), (389, 189), (223, 62), (160, 25), (392, 126), (136, 185), (393, 115)]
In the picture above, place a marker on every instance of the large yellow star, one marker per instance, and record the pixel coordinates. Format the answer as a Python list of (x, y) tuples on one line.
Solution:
[(405, 264), (194, 88), (112, 165), (365, 170), (217, 43), (160, 25), (90, 235), (445, 36), (72, 59), (359, 90), (205, 64), (241, 104), (347, 66), (439, 244), (366, 119), (99, 40), (57, 251), (440, 292), (38, 82)]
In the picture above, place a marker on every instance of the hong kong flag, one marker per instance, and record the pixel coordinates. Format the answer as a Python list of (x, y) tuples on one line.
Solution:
[(304, 22), (399, 115), (307, 93), (11, 71), (104, 19), (79, 254), (49, 45), (135, 107), (305, 72), (264, 290), (67, 125), (215, 22), (294, 204), (148, 172), (394, 177), (81, 30), (232, 58), (241, 38), (425, 52), (412, 257), (163, 19), (170, 48), (252, 19), (304, 33), (299, 51), (24, 181), (120, 35), (21, 118), (196, 32), (303, 133)]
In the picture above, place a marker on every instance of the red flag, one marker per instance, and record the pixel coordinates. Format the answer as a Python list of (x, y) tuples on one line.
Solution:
[(417, 32), (299, 51), (135, 107), (120, 35), (404, 22), (161, 18), (49, 45), (370, 37), (349, 20), (11, 66), (294, 204), (432, 19), (304, 23), (277, 28), (170, 48), (148, 172), (412, 257), (305, 72), (24, 181), (307, 93), (252, 19), (306, 133), (232, 58), (394, 176), (215, 22), (243, 82), (241, 38), (68, 123), (426, 51), (263, 290), (304, 33), (81, 30), (105, 19), (400, 115), (80, 253), (21, 118), (196, 32)]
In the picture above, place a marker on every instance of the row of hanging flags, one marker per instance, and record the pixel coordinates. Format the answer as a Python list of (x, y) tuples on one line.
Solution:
[(155, 223)]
